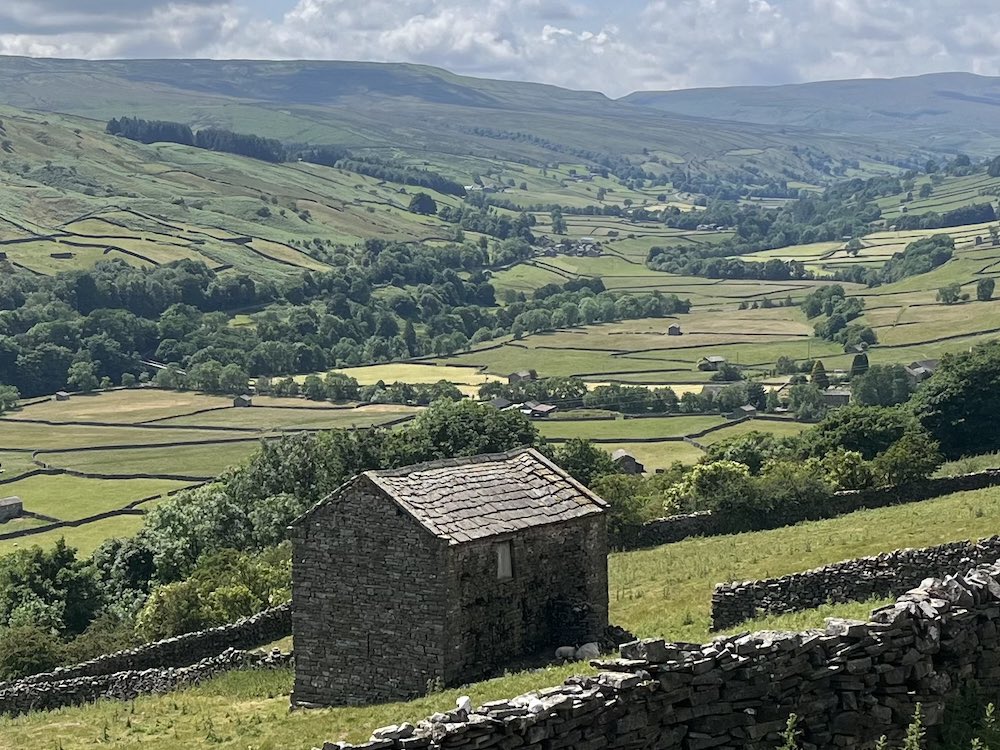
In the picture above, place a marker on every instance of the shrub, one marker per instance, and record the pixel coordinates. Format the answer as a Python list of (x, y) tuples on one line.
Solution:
[(915, 456), (28, 649), (584, 461)]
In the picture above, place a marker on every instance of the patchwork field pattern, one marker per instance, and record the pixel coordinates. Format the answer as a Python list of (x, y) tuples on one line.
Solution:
[(89, 468)]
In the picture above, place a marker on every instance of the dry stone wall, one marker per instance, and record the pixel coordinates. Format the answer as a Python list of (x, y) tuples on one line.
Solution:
[(848, 685), (677, 528), (180, 651), (856, 580), (22, 697)]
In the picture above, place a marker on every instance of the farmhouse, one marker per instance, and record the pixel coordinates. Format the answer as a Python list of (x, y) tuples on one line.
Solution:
[(61, 396), (627, 463), (744, 412), (674, 329), (535, 410), (521, 376), (10, 507), (443, 572), (243, 401), (713, 362), (836, 397), (921, 369)]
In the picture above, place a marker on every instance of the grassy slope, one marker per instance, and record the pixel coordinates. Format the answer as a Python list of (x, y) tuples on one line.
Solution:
[(953, 110), (663, 591), (399, 107)]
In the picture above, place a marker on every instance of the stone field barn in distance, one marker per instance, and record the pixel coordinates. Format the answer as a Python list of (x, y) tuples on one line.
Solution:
[(445, 571)]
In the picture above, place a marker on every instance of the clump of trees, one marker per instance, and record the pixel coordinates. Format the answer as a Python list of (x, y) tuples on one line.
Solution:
[(838, 311)]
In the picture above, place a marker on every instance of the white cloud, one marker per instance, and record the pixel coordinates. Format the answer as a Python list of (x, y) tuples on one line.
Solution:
[(590, 44)]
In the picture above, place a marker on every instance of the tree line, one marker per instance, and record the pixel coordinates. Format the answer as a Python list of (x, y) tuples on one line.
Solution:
[(101, 323), (274, 151)]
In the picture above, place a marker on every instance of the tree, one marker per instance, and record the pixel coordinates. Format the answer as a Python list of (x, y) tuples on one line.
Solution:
[(233, 379), (984, 289), (712, 486), (9, 398), (224, 587), (868, 430), (584, 461), (48, 587), (82, 376), (960, 404), (819, 378), (313, 388), (806, 401), (558, 222), (882, 385), (915, 456), (859, 366), (464, 428), (422, 203), (727, 373), (950, 294), (926, 189)]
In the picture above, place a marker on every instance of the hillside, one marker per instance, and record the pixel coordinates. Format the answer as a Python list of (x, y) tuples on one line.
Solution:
[(945, 111), (421, 111)]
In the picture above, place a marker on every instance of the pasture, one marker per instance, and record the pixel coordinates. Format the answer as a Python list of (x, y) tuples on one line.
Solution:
[(661, 592), (640, 351), (87, 469)]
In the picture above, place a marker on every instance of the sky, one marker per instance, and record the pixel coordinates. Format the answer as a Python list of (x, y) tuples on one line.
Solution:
[(615, 47)]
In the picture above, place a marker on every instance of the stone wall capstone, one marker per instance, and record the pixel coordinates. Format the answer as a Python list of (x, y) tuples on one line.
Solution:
[(180, 651), (856, 580), (848, 685), (21, 697)]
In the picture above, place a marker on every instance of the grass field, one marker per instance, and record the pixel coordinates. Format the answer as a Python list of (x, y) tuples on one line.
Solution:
[(641, 351), (264, 418), (164, 434), (623, 429), (69, 498), (126, 406), (657, 592), (199, 461), (779, 429)]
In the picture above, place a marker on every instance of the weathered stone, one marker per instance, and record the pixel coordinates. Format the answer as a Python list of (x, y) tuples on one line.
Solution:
[(476, 562)]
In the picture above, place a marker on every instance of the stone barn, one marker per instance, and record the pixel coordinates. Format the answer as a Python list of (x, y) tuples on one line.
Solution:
[(443, 572)]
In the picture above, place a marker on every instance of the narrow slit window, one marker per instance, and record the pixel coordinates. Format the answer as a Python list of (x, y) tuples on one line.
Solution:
[(505, 568)]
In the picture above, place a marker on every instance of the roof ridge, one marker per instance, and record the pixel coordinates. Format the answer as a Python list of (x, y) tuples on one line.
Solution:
[(441, 463)]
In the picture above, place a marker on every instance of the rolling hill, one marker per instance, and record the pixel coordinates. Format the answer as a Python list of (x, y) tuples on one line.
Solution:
[(425, 113), (944, 111)]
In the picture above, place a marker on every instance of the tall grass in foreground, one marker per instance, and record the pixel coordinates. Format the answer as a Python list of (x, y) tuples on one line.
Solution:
[(658, 592)]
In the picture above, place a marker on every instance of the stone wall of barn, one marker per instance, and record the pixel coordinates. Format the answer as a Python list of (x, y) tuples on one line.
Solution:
[(368, 598), (848, 685), (558, 595)]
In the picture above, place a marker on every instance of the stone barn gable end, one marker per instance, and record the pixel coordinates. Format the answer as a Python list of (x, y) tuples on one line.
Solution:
[(443, 572)]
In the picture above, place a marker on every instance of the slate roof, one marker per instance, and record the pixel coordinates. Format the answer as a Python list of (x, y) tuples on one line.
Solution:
[(465, 499)]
